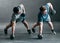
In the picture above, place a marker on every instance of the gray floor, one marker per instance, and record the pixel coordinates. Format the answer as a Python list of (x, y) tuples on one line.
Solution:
[(21, 35)]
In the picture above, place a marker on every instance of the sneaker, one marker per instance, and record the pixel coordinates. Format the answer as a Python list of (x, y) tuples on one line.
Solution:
[(33, 30), (29, 31), (5, 31), (12, 37), (40, 36), (53, 32)]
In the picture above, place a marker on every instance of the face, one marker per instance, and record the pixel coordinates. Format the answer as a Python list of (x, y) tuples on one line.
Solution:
[(44, 12), (19, 10)]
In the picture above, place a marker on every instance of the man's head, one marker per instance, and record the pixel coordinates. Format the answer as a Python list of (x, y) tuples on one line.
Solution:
[(42, 8), (15, 9)]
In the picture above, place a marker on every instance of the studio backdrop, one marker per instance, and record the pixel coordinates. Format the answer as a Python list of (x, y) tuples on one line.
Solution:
[(31, 6)]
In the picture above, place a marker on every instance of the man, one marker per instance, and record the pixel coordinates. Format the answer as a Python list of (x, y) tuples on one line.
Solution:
[(17, 16), (43, 16)]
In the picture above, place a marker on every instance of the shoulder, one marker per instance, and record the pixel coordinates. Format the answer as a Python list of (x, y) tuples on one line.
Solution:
[(21, 5), (49, 4), (13, 14), (39, 14)]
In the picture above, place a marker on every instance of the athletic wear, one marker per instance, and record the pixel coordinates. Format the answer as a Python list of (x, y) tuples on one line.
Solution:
[(18, 17), (44, 17)]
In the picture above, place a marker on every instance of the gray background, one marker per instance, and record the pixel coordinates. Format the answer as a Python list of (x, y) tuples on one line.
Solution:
[(32, 9)]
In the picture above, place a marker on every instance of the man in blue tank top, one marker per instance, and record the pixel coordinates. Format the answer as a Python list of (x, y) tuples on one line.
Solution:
[(44, 16)]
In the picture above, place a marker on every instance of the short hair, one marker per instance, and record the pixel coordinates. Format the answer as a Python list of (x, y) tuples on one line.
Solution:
[(15, 9), (42, 8)]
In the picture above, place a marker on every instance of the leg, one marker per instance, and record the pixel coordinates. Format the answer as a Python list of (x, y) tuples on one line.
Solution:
[(13, 27), (13, 30), (26, 24), (34, 25), (7, 27), (27, 27), (40, 30), (51, 25), (52, 28)]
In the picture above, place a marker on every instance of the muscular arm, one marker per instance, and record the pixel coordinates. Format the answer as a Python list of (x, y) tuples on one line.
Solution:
[(22, 8), (50, 5), (52, 9)]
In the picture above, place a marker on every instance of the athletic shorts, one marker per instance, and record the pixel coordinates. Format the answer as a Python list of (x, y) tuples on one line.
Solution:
[(20, 19), (44, 18)]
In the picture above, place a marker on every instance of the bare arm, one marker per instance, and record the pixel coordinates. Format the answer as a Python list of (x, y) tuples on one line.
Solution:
[(50, 5), (22, 8), (52, 9)]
